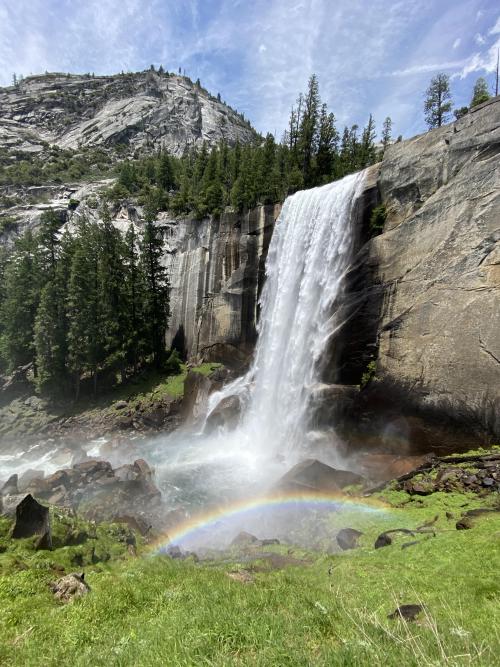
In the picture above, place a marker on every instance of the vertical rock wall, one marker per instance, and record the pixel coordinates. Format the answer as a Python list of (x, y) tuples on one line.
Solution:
[(216, 269)]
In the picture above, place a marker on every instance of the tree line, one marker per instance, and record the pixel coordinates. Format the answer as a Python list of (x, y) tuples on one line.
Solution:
[(438, 100), (204, 181), (84, 305)]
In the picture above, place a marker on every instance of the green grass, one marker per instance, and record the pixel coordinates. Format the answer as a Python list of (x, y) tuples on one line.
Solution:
[(329, 610)]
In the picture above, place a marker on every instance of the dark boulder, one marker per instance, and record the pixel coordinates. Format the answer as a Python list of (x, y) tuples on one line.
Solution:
[(313, 475), (347, 538), (383, 540), (32, 519), (407, 612)]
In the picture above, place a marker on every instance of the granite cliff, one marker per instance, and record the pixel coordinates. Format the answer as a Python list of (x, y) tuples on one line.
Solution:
[(144, 110)]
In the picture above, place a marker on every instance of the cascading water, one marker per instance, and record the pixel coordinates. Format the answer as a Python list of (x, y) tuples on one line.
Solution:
[(308, 257)]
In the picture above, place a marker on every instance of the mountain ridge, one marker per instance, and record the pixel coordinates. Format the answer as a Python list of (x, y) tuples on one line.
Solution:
[(135, 111)]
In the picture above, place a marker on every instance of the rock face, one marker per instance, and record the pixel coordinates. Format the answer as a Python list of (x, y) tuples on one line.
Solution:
[(142, 110), (216, 270), (438, 262)]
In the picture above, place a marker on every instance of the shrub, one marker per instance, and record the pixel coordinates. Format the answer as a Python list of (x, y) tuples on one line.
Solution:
[(173, 363), (377, 219), (369, 374)]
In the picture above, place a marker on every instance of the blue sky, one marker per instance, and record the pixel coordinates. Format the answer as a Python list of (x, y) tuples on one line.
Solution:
[(370, 55)]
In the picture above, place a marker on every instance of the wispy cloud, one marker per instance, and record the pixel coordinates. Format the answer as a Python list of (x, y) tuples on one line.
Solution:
[(369, 57)]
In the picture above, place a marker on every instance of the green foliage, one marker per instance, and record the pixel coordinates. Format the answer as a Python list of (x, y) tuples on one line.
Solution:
[(481, 93), (54, 165), (369, 374), (173, 363), (377, 219), (437, 105), (84, 306), (461, 112)]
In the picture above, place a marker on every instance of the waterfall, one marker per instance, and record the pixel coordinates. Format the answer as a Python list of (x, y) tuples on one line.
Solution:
[(308, 257)]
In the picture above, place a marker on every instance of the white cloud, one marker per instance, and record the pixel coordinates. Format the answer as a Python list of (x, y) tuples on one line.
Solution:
[(496, 28), (479, 39), (430, 67), (456, 43)]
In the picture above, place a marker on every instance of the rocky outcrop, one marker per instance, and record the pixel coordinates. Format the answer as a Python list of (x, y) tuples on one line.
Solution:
[(145, 110), (438, 266)]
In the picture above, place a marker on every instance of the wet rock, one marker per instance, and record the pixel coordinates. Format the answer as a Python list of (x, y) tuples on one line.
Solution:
[(10, 487), (121, 405), (347, 538), (244, 539), (313, 475), (28, 477), (225, 415), (70, 587), (143, 469), (197, 388), (408, 612), (32, 519), (58, 479)]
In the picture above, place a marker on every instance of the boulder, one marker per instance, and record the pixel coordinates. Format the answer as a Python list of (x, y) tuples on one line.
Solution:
[(347, 538), (407, 612), (313, 475), (197, 388), (28, 478), (10, 487), (225, 415), (32, 519), (70, 587), (244, 539)]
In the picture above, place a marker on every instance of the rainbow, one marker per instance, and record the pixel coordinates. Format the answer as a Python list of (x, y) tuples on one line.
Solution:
[(198, 524)]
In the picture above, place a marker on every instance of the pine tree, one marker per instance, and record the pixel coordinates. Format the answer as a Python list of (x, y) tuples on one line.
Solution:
[(438, 103), (48, 238), (308, 131), (133, 297), (110, 293), (165, 173), (367, 152), (480, 93), (386, 133), (327, 146), (156, 288), (18, 310), (50, 338), (85, 348)]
